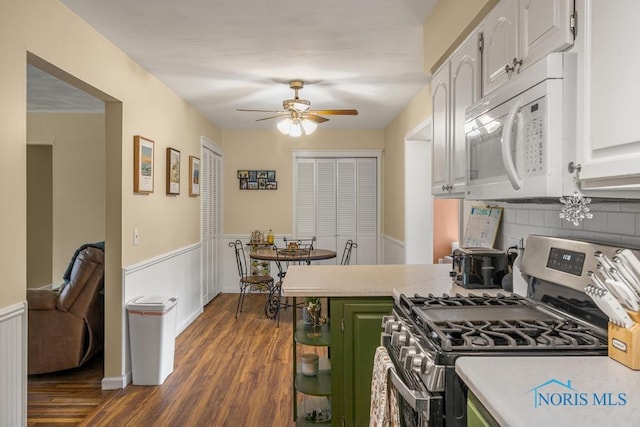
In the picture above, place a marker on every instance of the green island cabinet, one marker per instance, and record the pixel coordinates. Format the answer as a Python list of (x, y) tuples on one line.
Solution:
[(356, 324)]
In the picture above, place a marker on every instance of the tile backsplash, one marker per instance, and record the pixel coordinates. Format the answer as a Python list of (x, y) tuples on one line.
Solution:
[(616, 223)]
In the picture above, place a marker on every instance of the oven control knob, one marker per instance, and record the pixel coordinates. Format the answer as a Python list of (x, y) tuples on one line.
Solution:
[(427, 365), (415, 363), (392, 326), (406, 351), (388, 318), (400, 338)]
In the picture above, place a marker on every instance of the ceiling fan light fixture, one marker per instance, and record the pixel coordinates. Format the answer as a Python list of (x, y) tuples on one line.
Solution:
[(295, 130), (285, 125), (309, 126)]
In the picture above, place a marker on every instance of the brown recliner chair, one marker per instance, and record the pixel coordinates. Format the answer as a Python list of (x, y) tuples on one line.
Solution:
[(66, 328)]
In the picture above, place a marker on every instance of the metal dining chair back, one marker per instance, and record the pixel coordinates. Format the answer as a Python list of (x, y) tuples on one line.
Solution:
[(247, 280), (305, 243), (346, 254)]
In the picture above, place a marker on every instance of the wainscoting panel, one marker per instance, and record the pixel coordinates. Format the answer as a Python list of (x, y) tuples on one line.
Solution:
[(392, 250), (13, 365), (175, 274)]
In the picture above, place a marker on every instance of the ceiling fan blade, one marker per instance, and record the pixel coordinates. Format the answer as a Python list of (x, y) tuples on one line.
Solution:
[(335, 112), (316, 118), (273, 117), (262, 111)]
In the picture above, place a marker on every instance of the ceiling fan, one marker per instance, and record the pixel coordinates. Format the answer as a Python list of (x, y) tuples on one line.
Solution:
[(297, 113)]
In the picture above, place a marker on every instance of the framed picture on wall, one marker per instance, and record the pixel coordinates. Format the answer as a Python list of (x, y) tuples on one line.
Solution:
[(143, 166), (173, 171), (194, 176)]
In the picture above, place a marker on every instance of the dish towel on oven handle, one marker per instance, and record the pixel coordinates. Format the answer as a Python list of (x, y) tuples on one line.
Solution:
[(384, 397)]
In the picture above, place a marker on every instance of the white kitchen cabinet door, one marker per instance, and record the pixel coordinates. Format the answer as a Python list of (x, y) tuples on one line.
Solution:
[(609, 99), (465, 90), (500, 39), (544, 27), (441, 127)]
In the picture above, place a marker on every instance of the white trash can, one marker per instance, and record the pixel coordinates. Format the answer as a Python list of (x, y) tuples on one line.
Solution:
[(152, 336)]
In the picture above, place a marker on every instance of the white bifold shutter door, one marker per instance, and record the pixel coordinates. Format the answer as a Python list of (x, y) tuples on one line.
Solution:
[(336, 200), (305, 215), (326, 205), (211, 207), (367, 196)]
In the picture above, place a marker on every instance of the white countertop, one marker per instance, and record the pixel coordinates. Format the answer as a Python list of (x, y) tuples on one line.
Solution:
[(508, 387), (370, 280)]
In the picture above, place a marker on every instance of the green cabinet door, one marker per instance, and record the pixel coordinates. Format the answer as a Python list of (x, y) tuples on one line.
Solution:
[(356, 324)]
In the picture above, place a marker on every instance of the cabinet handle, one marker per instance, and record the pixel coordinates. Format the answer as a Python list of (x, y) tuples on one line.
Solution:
[(444, 187), (508, 68), (517, 63)]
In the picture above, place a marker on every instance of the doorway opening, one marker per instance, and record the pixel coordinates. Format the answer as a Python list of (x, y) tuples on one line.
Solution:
[(431, 225), (74, 143)]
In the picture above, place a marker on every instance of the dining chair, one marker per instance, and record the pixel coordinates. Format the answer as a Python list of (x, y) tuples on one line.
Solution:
[(284, 258), (251, 282), (346, 254), (304, 243)]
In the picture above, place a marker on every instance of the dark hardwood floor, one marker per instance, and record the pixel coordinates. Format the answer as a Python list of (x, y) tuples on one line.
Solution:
[(227, 372), (65, 398)]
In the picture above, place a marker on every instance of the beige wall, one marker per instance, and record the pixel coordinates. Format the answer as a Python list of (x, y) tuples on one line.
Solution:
[(53, 38), (39, 215), (416, 113), (247, 210), (447, 26), (446, 214), (78, 181)]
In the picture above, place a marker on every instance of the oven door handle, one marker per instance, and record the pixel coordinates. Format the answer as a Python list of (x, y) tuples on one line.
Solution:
[(419, 401)]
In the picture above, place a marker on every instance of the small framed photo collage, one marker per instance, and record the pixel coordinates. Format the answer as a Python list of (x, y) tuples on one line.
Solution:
[(257, 179)]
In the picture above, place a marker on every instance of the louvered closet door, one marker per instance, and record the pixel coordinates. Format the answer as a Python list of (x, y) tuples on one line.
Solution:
[(305, 198), (347, 205), (366, 216), (326, 205), (336, 200), (217, 224), (211, 178)]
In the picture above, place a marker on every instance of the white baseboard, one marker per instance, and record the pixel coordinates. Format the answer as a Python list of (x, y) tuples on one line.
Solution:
[(13, 365), (114, 383)]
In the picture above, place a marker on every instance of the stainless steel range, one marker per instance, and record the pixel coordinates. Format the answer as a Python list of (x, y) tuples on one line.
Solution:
[(426, 334)]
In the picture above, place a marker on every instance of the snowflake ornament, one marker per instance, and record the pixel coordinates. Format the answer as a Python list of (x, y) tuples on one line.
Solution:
[(575, 208)]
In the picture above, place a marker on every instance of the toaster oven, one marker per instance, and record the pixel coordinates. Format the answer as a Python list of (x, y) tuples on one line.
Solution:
[(477, 268)]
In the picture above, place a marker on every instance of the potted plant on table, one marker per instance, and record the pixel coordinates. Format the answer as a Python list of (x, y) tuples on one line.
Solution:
[(312, 314)]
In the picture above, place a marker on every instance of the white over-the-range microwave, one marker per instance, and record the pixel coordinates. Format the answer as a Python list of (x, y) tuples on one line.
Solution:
[(521, 137)]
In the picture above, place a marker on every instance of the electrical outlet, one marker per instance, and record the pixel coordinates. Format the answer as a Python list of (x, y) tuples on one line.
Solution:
[(136, 236)]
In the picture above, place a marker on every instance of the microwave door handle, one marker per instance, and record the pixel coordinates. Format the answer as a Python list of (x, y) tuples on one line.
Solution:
[(506, 143)]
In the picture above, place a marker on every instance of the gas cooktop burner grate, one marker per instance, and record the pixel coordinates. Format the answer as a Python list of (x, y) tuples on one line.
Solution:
[(539, 335), (468, 300)]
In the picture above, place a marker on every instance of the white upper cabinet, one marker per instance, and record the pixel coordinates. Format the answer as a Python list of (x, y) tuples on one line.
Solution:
[(545, 26), (518, 33), (441, 98), (609, 100), (500, 40), (454, 87)]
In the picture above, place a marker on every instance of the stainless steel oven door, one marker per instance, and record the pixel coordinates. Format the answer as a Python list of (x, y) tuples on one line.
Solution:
[(417, 408)]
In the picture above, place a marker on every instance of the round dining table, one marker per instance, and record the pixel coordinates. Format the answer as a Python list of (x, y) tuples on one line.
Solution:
[(269, 254), (282, 255)]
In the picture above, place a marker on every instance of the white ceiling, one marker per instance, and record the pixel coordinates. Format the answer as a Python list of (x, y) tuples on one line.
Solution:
[(221, 55)]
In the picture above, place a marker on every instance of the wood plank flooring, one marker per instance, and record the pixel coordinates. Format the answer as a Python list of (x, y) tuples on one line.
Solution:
[(65, 398), (227, 372)]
